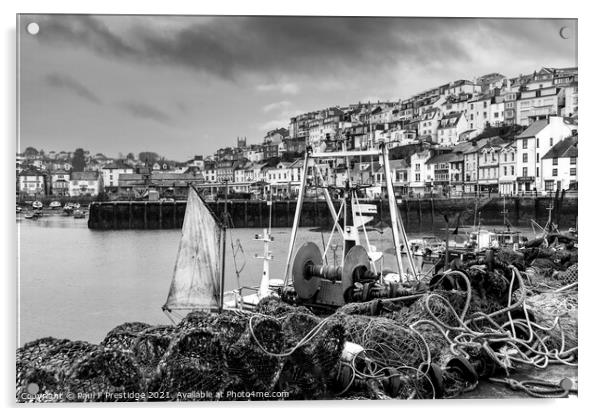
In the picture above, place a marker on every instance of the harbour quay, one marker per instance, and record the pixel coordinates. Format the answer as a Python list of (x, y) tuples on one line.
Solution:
[(417, 213)]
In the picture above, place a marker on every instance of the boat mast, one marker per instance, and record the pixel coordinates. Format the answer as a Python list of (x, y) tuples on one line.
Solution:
[(224, 226), (396, 224), (291, 246)]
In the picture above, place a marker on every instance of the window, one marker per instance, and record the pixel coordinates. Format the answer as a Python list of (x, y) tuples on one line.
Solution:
[(525, 157), (525, 143), (505, 157), (555, 161), (505, 170), (418, 167), (551, 141), (573, 160), (512, 170), (554, 172), (512, 157), (573, 172), (524, 171), (485, 114), (537, 157), (549, 186), (417, 177), (537, 143)]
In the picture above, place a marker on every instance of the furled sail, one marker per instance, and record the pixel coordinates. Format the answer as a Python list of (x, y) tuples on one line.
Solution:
[(197, 273)]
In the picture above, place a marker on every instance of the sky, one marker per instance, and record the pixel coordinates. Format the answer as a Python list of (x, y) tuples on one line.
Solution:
[(188, 85)]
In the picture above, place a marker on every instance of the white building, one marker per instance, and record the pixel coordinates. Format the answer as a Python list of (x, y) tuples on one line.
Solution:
[(450, 128), (420, 174), (533, 144), (85, 183), (111, 172), (559, 165), (539, 104), (429, 121), (31, 182), (507, 178)]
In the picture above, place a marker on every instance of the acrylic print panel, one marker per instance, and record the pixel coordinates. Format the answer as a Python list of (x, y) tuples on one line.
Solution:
[(285, 208)]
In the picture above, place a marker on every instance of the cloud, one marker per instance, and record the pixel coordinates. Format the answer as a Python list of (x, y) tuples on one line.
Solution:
[(273, 124), (284, 88), (145, 111), (231, 47), (280, 105), (67, 83)]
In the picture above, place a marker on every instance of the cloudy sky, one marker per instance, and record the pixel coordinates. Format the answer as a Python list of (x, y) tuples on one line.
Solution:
[(182, 85)]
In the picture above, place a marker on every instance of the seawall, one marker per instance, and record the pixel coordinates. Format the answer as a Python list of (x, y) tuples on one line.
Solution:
[(417, 214)]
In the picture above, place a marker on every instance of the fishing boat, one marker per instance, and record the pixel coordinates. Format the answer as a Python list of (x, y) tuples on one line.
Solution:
[(55, 205), (309, 278), (68, 208), (78, 214), (37, 205), (31, 215)]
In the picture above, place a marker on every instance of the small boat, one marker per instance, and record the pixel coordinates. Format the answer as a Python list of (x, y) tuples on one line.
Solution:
[(55, 205), (77, 214), (31, 215), (68, 208), (37, 205), (19, 209)]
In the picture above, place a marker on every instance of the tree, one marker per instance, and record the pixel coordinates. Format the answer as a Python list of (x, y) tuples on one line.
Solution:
[(130, 156), (78, 162), (30, 152), (148, 157)]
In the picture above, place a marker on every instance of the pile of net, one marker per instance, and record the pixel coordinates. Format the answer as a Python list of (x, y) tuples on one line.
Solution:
[(59, 370), (482, 318)]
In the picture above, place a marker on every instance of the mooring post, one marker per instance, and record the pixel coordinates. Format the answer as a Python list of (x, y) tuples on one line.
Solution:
[(260, 204), (130, 215), (115, 216), (175, 214), (145, 215), (432, 212), (160, 215), (419, 211)]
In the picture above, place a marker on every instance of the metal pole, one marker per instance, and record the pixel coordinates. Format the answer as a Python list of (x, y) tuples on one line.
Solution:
[(297, 218), (224, 226), (393, 211)]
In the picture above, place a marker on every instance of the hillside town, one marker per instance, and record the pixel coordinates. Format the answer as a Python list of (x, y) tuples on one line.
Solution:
[(494, 134)]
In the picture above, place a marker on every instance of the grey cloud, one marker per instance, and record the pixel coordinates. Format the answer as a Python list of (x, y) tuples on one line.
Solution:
[(70, 84), (230, 47), (145, 111)]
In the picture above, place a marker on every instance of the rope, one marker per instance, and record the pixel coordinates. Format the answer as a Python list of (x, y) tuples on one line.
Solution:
[(539, 388)]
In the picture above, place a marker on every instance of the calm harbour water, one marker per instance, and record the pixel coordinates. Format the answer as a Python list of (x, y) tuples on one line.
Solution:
[(78, 283)]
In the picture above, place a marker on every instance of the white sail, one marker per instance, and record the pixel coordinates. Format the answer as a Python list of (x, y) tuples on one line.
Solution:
[(197, 274)]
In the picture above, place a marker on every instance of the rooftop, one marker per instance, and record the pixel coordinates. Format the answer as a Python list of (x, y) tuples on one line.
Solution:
[(564, 148)]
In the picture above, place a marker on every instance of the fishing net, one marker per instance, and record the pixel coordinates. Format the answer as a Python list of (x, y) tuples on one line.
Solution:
[(123, 336), (557, 314), (150, 345), (194, 362), (253, 361), (569, 276), (66, 370), (483, 313)]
